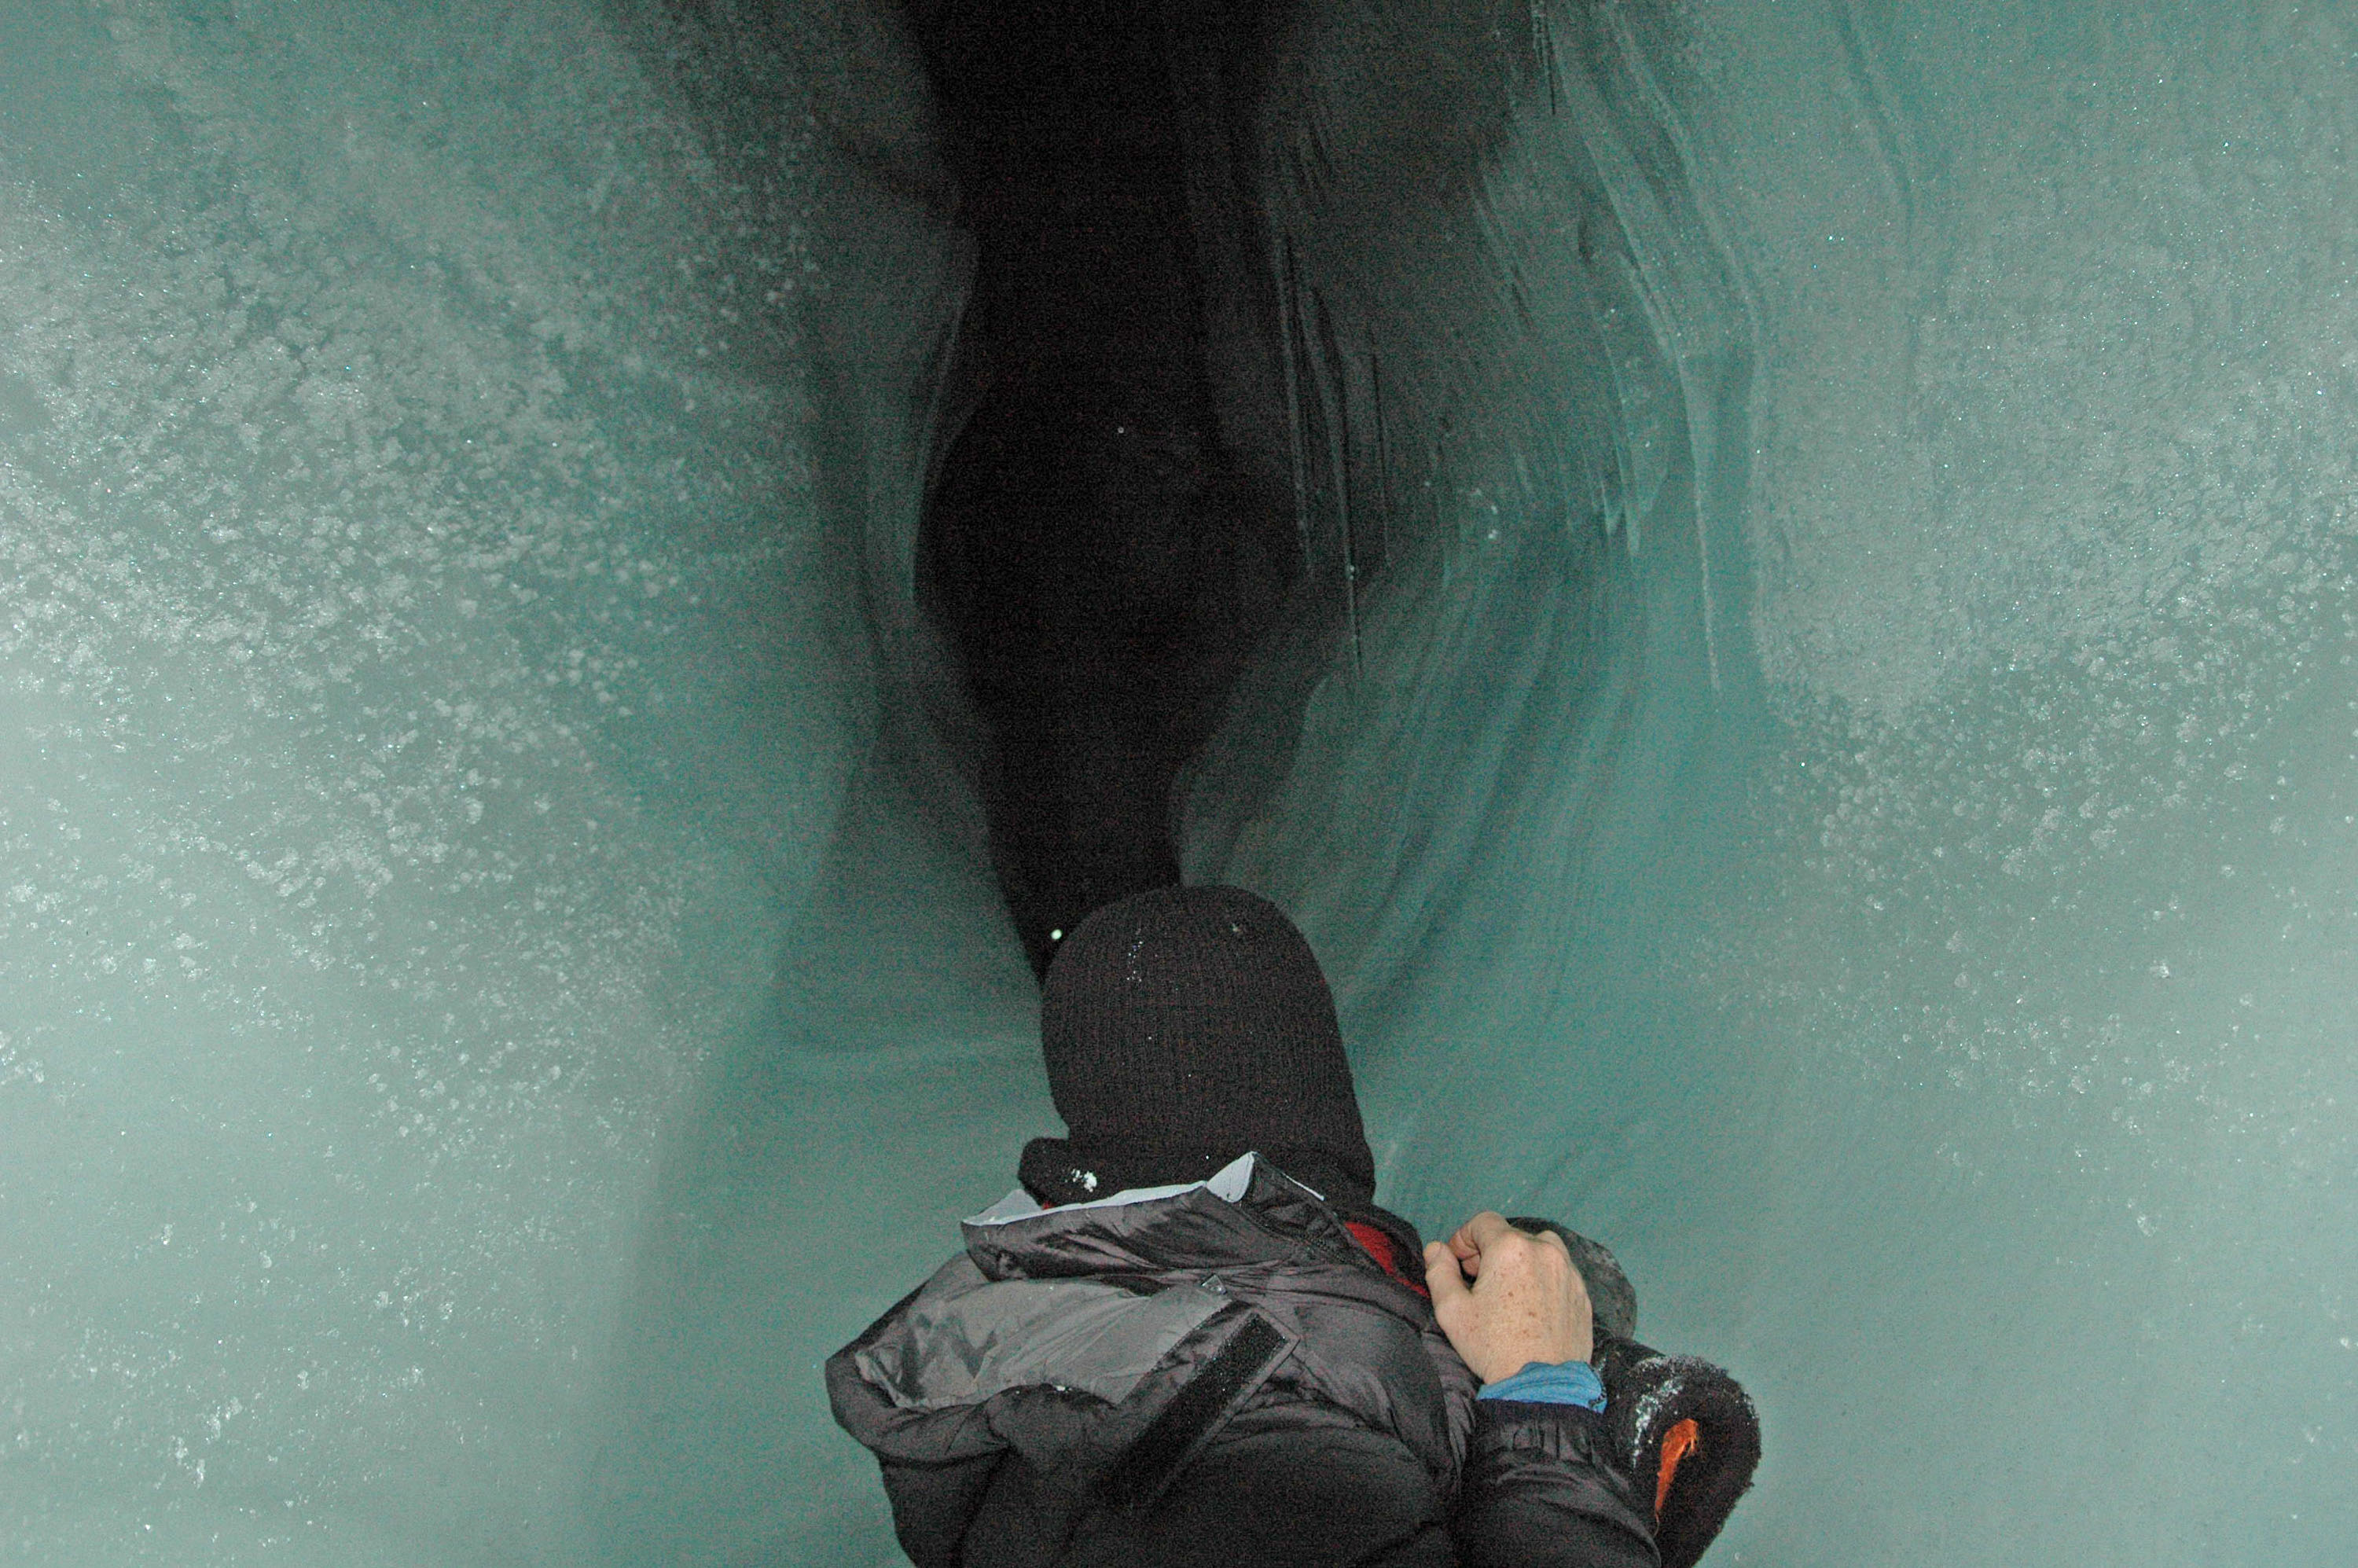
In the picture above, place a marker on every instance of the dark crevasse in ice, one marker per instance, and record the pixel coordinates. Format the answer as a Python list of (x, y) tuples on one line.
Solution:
[(1810, 722), (1099, 554)]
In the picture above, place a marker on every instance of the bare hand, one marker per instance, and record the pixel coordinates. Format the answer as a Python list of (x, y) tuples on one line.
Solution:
[(1527, 1302)]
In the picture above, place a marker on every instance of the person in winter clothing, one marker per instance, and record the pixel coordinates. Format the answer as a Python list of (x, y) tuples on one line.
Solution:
[(1191, 1337)]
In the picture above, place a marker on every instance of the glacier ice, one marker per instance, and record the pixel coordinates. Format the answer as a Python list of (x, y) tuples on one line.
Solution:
[(441, 451), (1929, 954), (1839, 775)]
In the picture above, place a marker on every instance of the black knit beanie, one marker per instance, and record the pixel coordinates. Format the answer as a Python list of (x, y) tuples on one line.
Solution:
[(1185, 1027)]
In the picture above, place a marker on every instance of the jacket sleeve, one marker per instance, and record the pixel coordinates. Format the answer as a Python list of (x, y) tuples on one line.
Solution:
[(1540, 1491), (934, 1504)]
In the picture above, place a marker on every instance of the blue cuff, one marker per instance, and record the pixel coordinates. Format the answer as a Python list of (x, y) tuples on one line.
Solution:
[(1540, 1383)]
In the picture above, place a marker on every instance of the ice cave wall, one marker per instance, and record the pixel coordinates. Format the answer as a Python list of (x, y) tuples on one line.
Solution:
[(1819, 749), (1840, 778), (457, 465)]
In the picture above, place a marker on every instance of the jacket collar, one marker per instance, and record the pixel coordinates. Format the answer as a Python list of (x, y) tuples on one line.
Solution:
[(1230, 1183), (1247, 1212)]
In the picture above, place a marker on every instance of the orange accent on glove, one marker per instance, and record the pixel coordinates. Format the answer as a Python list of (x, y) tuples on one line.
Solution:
[(1677, 1444)]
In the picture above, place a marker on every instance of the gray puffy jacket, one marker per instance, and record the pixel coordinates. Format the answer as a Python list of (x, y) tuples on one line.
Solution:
[(1217, 1374)]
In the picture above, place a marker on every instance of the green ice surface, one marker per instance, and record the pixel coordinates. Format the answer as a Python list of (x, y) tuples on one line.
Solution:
[(1845, 787), (1839, 779)]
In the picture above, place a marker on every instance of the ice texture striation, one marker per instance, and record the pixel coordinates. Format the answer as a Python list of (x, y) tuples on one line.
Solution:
[(1844, 787), (1818, 744), (442, 449)]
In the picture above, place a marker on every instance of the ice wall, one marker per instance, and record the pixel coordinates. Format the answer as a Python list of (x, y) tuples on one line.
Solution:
[(456, 464), (1833, 767), (1819, 748)]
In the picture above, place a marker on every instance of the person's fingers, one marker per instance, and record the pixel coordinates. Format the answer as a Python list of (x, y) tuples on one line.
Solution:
[(1475, 1234), (1441, 1275), (1483, 1229)]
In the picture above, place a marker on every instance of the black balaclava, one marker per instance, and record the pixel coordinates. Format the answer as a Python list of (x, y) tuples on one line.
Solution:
[(1185, 1027)]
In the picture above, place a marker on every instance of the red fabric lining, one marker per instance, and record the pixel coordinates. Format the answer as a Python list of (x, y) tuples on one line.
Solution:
[(1378, 1245)]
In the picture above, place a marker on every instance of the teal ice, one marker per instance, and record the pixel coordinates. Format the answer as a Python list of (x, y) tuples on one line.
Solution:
[(1833, 769)]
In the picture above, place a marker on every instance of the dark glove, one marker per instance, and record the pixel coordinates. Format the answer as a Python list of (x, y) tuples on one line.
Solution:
[(1679, 1420)]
